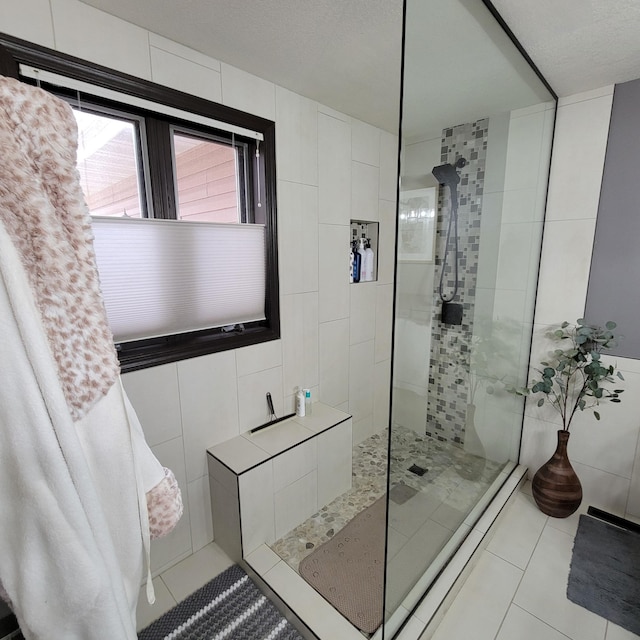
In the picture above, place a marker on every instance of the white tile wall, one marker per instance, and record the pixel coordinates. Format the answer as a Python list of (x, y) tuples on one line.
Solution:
[(295, 503), (361, 380), (244, 91), (334, 288), (297, 237), (38, 27), (334, 170), (296, 137), (257, 517), (94, 35), (185, 75), (334, 362), (203, 401), (362, 320), (208, 405), (334, 451)]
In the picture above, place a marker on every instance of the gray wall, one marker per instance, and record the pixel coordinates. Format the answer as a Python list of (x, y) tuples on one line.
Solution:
[(613, 292)]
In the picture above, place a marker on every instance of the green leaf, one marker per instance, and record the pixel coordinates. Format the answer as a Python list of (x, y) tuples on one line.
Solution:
[(596, 415), (559, 333), (580, 321), (620, 375), (615, 400), (540, 402), (564, 325), (611, 325)]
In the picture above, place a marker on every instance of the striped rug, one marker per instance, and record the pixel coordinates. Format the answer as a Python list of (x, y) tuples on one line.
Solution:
[(230, 607)]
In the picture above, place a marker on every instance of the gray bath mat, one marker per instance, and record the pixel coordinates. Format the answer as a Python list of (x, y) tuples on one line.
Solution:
[(605, 572), (348, 570), (230, 607)]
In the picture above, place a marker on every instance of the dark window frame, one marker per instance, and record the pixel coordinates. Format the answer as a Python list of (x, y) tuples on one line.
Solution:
[(146, 353)]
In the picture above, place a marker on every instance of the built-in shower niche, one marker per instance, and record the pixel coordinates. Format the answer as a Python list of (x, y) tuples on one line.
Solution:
[(366, 230)]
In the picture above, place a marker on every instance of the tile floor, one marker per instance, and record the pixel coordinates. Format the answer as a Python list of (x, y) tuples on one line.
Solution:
[(517, 591)]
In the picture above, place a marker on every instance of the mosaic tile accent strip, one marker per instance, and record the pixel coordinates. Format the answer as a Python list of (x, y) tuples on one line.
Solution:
[(453, 477), (449, 366)]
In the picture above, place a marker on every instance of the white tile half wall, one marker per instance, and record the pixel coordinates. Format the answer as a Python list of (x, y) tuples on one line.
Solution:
[(327, 164)]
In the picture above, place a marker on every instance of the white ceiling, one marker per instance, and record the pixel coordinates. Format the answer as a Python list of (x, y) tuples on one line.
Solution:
[(346, 53)]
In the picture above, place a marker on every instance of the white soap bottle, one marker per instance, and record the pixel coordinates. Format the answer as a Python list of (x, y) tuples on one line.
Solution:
[(363, 253), (368, 262), (300, 406), (308, 407)]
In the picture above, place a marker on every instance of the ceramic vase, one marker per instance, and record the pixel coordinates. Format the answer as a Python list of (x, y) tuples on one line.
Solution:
[(556, 487)]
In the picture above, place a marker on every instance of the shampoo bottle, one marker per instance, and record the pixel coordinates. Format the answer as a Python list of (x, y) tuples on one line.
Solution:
[(300, 403), (351, 261), (357, 262), (362, 254), (307, 402), (368, 262)]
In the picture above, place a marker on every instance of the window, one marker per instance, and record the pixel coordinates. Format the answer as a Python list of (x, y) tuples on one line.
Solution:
[(183, 191)]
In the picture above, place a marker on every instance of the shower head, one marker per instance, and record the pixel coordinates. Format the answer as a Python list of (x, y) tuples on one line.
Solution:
[(447, 174)]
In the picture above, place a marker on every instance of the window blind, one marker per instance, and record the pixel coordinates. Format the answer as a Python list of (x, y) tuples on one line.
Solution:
[(164, 277)]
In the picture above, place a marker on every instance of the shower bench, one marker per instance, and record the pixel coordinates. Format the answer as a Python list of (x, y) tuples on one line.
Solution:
[(265, 484)]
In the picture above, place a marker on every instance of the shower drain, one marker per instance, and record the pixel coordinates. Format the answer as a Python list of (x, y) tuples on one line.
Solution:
[(418, 470)]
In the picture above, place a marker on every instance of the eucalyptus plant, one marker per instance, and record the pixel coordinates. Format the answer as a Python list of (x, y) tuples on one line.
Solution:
[(575, 378)]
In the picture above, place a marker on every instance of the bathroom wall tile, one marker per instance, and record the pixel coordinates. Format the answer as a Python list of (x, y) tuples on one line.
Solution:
[(418, 158), (258, 357), (363, 429), (177, 544), (337, 115), (177, 49), (388, 166), (263, 559), (256, 507), (365, 143), (579, 147), (591, 440), (209, 406), (362, 320), (334, 288), (244, 91), (297, 237), (103, 38), (497, 147), (381, 396), (252, 394), (222, 474), (37, 28), (334, 170), (519, 206), (361, 378), (549, 566), (384, 322), (477, 612), (513, 260), (226, 519), (295, 503), (334, 362), (523, 151), (296, 137), (334, 462), (364, 191), (300, 336), (154, 395), (490, 229), (199, 495), (185, 75), (386, 241), (294, 464), (564, 270)]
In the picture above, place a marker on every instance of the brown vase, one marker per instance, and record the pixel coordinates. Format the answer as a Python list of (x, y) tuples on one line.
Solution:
[(556, 487)]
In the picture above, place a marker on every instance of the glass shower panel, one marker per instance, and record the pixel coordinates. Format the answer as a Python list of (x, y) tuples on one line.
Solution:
[(477, 124)]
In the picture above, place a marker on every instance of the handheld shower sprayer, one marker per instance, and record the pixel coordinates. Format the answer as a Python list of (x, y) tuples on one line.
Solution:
[(447, 174)]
